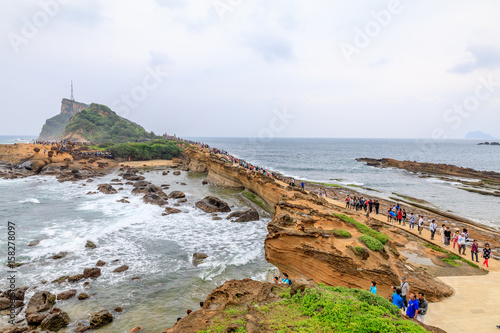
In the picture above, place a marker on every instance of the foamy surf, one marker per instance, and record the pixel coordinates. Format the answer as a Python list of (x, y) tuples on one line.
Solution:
[(30, 200)]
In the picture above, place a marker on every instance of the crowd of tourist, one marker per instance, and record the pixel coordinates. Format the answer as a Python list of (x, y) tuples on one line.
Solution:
[(360, 203), (74, 149)]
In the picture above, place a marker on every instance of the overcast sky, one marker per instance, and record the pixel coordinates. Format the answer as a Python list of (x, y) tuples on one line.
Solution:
[(239, 68)]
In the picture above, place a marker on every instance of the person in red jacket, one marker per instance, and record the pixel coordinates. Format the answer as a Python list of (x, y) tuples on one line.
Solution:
[(400, 216)]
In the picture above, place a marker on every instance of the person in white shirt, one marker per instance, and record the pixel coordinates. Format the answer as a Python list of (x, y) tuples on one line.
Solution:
[(433, 227), (461, 243), (420, 224)]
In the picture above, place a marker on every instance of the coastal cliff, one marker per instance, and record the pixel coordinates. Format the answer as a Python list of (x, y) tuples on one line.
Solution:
[(54, 127), (310, 238)]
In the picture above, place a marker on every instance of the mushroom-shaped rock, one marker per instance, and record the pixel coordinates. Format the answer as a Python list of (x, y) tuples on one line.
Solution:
[(55, 321), (211, 204), (100, 319)]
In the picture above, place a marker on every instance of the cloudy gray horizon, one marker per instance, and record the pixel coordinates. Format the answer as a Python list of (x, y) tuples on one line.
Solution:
[(239, 68)]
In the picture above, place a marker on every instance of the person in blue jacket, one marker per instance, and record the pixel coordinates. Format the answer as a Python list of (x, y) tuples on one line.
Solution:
[(412, 306), (397, 300)]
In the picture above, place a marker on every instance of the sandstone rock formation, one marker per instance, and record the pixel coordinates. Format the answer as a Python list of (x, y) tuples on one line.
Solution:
[(212, 204)]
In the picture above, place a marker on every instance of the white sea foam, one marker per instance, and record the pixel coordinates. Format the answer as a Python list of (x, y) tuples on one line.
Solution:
[(30, 200)]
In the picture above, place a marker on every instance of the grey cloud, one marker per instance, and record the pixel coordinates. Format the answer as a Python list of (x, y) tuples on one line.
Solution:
[(483, 57)]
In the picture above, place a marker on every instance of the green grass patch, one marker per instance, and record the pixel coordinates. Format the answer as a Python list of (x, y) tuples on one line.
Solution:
[(325, 184), (372, 243), (435, 248), (451, 262), (382, 238), (340, 233), (256, 200)]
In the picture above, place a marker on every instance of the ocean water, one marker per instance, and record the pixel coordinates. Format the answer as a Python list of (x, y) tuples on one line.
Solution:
[(157, 248), (333, 161), (11, 139)]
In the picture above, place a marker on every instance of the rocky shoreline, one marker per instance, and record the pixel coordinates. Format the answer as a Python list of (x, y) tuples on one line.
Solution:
[(306, 237)]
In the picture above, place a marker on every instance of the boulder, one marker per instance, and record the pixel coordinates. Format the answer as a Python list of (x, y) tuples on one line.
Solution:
[(60, 279), (123, 201), (154, 199), (211, 204), (170, 210), (360, 251), (93, 272), (66, 295), (100, 319), (4, 303), (299, 285), (83, 296), (18, 293), (176, 195), (106, 189), (216, 218), (198, 258), (245, 216), (119, 309), (82, 328), (120, 269), (136, 329), (60, 255), (75, 278), (176, 173), (90, 245), (56, 321), (41, 301), (204, 182), (35, 319), (100, 263), (182, 200)]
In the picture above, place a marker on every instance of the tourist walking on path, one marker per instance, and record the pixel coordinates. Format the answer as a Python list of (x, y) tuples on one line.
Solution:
[(377, 206), (422, 308), (441, 232), (412, 309), (302, 185), (455, 239), (405, 288), (461, 244), (474, 250), (447, 237), (412, 220), (486, 254), (404, 216), (420, 224), (397, 300), (433, 227), (400, 216), (373, 287)]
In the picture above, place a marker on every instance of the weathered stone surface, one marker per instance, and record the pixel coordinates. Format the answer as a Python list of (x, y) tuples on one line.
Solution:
[(176, 195), (120, 269), (244, 216), (55, 322), (100, 263), (90, 245), (59, 255), (154, 199), (34, 243), (41, 301), (106, 189), (176, 173), (93, 272), (4, 303), (198, 258), (212, 204), (35, 319), (360, 251), (100, 319), (66, 295), (83, 296), (75, 278), (170, 210)]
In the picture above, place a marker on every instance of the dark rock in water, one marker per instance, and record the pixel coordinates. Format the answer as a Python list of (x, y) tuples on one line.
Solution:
[(164, 173), (154, 199), (93, 272), (182, 200), (204, 182), (176, 173), (107, 189), (176, 205), (176, 195), (60, 279), (120, 269), (90, 245), (17, 294), (35, 319), (141, 183), (135, 278), (82, 328), (66, 295), (83, 296), (123, 201), (136, 329), (245, 216), (184, 184), (34, 243), (41, 301), (216, 218), (118, 309), (55, 322), (169, 210), (60, 255), (212, 204), (198, 258), (100, 263), (100, 319), (75, 278)]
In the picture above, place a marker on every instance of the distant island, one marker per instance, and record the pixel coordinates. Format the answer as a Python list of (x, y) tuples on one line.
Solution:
[(478, 135)]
